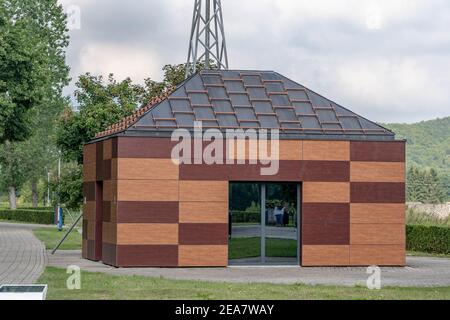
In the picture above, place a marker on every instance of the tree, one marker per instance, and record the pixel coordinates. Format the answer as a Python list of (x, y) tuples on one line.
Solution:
[(102, 103), (33, 72), (32, 61)]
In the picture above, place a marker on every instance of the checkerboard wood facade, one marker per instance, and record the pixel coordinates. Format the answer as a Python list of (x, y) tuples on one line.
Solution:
[(157, 213)]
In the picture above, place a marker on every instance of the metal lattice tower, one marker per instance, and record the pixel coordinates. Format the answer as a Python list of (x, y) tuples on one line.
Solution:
[(207, 42)]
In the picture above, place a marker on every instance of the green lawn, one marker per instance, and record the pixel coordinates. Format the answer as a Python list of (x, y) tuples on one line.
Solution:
[(251, 247), (96, 286), (51, 237)]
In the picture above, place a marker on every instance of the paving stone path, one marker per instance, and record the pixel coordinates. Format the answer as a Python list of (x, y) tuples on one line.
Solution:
[(22, 256), (420, 272)]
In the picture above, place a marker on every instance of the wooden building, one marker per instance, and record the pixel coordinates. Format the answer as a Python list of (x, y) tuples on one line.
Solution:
[(346, 177)]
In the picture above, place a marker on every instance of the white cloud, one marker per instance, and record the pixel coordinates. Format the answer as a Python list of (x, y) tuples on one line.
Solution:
[(395, 70), (123, 61)]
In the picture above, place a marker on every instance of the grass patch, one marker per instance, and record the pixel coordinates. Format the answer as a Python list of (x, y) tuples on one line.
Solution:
[(425, 254), (251, 247), (51, 237), (98, 286)]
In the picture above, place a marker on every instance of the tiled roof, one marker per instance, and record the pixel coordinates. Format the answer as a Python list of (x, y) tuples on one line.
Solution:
[(127, 122), (225, 99)]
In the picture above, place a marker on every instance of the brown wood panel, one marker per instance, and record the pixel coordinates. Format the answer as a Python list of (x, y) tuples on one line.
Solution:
[(331, 192), (147, 212), (147, 190), (147, 256), (141, 147), (203, 233), (388, 151), (89, 190), (377, 234), (361, 171), (107, 149), (84, 244), (377, 192), (203, 256), (377, 213), (322, 213), (291, 150), (110, 190), (147, 233), (326, 234), (109, 233), (380, 255), (89, 153), (89, 173), (109, 253), (90, 230), (203, 212), (89, 210), (326, 150), (211, 191), (147, 169), (330, 171), (325, 256)]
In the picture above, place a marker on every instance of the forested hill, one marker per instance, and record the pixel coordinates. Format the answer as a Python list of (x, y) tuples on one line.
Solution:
[(428, 144)]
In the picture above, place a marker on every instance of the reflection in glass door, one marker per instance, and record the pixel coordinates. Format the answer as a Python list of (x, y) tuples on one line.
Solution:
[(280, 232), (264, 223)]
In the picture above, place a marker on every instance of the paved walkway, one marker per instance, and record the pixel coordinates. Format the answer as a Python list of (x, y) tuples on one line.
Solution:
[(421, 271), (22, 256)]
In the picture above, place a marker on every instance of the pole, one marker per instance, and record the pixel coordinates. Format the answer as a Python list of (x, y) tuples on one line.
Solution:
[(207, 33), (48, 188), (67, 234), (59, 211)]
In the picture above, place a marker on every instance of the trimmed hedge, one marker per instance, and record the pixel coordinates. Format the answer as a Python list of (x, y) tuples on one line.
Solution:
[(430, 239), (245, 216), (24, 215)]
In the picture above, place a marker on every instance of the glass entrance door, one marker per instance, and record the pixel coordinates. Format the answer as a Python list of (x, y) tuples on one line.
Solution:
[(263, 221), (280, 232)]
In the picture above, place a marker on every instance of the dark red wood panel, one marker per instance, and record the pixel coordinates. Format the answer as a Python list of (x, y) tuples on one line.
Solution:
[(326, 234), (204, 172), (91, 250), (147, 212), (325, 213), (106, 211), (114, 147), (99, 160), (203, 234), (99, 221), (139, 147), (377, 151), (382, 192), (109, 254), (107, 169), (330, 171), (85, 229), (147, 256), (89, 191)]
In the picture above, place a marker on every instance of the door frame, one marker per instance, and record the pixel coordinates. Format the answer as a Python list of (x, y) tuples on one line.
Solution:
[(263, 198)]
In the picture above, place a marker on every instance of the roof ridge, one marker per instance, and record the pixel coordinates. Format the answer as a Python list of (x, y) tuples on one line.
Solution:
[(128, 121)]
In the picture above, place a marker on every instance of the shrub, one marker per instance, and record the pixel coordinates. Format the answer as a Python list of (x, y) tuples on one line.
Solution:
[(430, 239), (27, 215), (245, 216), (414, 217)]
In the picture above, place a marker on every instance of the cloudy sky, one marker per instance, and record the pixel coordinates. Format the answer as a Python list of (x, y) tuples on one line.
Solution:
[(388, 60)]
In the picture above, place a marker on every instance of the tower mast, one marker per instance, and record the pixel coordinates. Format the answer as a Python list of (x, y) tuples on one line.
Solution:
[(207, 42)]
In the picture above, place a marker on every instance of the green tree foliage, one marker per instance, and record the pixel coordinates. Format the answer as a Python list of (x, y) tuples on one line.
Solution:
[(428, 146), (33, 37), (424, 186), (102, 102)]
